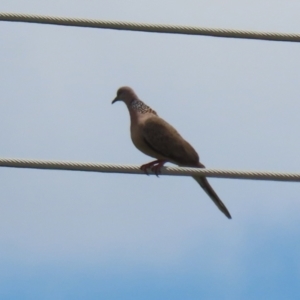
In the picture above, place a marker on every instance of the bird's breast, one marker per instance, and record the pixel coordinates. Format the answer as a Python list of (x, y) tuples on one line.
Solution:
[(137, 137)]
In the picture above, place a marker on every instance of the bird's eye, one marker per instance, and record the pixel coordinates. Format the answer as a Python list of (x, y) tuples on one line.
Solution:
[(118, 93)]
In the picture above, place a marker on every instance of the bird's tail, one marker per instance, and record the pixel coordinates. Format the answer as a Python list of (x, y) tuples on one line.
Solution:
[(212, 194)]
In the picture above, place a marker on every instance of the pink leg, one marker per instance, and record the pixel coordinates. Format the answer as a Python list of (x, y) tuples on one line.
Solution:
[(155, 166), (149, 165)]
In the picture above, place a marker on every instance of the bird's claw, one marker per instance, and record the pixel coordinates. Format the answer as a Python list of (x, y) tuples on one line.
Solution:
[(156, 169), (144, 168), (154, 166)]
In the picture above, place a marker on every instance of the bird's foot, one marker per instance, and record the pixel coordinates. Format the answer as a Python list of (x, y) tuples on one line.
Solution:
[(155, 166), (148, 166)]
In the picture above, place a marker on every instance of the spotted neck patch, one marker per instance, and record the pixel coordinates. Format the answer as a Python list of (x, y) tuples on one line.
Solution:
[(141, 107)]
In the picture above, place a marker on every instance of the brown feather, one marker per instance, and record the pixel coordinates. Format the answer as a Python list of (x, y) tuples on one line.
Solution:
[(212, 195), (161, 137)]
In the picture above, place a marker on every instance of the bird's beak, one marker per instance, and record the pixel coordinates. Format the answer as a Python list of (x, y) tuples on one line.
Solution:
[(115, 100)]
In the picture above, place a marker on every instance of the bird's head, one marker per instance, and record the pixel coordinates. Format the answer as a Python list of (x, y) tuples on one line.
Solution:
[(125, 94)]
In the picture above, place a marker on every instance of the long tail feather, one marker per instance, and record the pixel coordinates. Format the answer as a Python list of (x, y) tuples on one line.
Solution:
[(212, 194)]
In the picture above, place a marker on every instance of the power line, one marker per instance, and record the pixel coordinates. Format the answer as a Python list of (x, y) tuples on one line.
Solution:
[(158, 28), (132, 169)]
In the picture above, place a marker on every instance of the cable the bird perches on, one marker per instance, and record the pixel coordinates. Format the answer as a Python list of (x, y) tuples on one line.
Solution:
[(135, 169)]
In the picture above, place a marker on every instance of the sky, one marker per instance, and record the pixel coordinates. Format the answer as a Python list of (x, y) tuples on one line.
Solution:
[(76, 235)]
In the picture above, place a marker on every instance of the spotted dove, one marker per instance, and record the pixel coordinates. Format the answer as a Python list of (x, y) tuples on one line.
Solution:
[(155, 137)]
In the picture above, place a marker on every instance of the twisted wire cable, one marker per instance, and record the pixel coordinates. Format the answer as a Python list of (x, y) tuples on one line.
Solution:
[(133, 169), (145, 27)]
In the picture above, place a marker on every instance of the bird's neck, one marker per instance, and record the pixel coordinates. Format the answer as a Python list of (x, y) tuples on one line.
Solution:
[(137, 106)]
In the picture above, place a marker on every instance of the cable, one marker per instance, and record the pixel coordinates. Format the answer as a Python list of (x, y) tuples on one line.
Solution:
[(158, 28), (131, 169)]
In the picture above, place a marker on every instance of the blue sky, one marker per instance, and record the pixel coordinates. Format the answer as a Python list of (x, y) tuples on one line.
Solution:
[(70, 235)]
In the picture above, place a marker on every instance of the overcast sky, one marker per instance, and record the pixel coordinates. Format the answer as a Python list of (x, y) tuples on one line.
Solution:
[(71, 235)]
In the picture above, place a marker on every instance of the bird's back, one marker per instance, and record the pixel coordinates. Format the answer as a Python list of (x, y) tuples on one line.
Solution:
[(165, 140)]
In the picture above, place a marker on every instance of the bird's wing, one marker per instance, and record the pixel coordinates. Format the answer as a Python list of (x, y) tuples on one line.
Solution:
[(164, 139)]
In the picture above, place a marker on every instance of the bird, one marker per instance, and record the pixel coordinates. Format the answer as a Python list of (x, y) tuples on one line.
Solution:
[(155, 137)]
